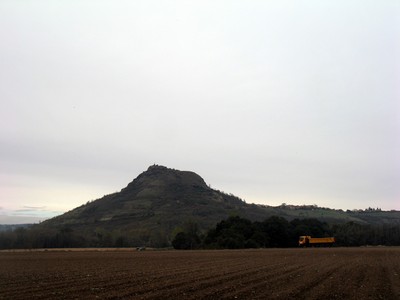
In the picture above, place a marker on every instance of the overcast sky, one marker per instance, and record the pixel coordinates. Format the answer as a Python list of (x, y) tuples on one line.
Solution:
[(293, 102)]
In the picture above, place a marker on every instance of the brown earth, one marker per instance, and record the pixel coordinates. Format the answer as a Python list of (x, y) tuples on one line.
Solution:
[(323, 273)]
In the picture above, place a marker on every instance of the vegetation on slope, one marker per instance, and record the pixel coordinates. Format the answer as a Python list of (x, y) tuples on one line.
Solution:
[(160, 205)]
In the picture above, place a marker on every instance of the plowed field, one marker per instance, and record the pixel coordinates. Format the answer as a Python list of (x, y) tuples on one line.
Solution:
[(331, 273)]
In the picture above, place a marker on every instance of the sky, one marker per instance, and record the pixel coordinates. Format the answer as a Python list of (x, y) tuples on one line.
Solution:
[(278, 101)]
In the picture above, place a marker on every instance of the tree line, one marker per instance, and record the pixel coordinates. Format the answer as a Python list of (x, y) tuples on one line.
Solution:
[(66, 237), (233, 233), (238, 233)]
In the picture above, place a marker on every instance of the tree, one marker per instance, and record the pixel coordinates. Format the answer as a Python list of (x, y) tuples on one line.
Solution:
[(188, 238), (232, 233), (184, 241), (277, 230)]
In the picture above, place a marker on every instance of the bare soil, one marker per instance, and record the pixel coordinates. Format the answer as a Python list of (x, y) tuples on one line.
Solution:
[(321, 273)]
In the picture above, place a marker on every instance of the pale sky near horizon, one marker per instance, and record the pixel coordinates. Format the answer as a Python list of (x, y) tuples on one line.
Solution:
[(293, 102)]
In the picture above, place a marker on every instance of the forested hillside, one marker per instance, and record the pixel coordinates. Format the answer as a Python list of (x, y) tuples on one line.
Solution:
[(162, 203)]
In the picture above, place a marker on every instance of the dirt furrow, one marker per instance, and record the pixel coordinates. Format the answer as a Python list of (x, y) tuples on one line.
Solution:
[(250, 284), (337, 273), (208, 285), (173, 284)]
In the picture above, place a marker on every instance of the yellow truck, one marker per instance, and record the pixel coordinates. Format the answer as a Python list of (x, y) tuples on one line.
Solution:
[(308, 241)]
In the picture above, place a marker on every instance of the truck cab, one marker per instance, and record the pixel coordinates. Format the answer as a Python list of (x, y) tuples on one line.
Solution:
[(304, 240)]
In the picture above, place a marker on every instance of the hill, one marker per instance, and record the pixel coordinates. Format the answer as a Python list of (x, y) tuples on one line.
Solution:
[(11, 227), (154, 205), (368, 216), (161, 202)]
